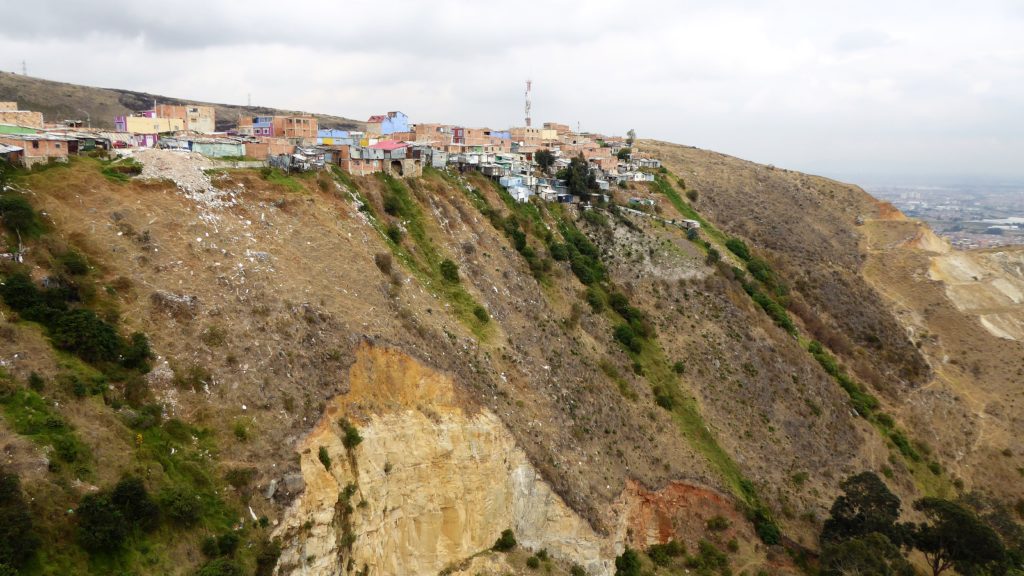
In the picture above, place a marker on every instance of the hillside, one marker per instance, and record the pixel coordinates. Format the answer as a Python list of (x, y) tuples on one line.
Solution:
[(59, 101), (368, 375)]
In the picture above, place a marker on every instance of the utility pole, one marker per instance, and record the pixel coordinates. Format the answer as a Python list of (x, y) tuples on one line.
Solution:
[(24, 68)]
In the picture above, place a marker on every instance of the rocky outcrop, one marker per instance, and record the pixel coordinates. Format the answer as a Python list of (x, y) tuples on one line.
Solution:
[(431, 484)]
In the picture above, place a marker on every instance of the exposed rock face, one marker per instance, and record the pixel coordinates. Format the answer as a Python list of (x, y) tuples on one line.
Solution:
[(431, 484)]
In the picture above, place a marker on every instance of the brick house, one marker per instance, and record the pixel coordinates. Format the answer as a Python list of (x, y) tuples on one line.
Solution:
[(9, 114)]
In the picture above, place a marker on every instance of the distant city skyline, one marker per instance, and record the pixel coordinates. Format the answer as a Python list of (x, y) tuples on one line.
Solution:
[(870, 92)]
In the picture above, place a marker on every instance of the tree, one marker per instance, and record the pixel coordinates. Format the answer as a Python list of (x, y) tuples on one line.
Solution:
[(450, 271), (578, 178), (18, 216), (505, 542), (872, 555), (83, 332), (544, 158), (630, 137), (865, 506), (18, 540), (954, 537), (623, 153), (628, 564), (101, 526), (135, 503)]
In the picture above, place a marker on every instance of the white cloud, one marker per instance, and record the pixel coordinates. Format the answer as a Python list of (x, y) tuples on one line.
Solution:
[(874, 87)]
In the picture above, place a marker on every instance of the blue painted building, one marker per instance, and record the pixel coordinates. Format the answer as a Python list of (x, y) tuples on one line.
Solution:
[(332, 137), (389, 123)]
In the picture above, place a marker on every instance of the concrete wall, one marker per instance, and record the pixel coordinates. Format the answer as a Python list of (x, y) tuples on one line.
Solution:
[(22, 118)]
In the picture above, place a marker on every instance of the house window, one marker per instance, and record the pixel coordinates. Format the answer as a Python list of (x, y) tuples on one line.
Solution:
[(35, 144), (58, 146)]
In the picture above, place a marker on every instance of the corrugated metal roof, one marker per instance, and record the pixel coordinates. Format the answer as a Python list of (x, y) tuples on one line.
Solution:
[(388, 145)]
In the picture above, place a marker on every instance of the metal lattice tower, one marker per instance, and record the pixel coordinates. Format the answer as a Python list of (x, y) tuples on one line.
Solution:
[(529, 84)]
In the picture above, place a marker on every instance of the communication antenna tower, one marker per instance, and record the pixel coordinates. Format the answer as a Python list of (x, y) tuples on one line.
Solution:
[(24, 68), (529, 84)]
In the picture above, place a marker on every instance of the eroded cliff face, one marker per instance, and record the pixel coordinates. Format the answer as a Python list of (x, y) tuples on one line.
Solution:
[(432, 483)]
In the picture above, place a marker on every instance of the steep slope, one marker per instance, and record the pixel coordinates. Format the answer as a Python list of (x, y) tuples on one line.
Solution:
[(389, 373), (930, 330), (59, 101)]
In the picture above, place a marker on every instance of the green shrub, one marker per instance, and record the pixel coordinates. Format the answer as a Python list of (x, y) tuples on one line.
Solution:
[(18, 539), (17, 215), (718, 524), (266, 557), (101, 525), (351, 437), (595, 298), (136, 353), (449, 271), (505, 542), (625, 335), (712, 257), (596, 218), (180, 505), (481, 314), (679, 367), (533, 562), (559, 251), (73, 263), (227, 543), (692, 234), (209, 547), (85, 334), (577, 570), (136, 505), (690, 194), (738, 247), (324, 457), (394, 233), (36, 382), (628, 563), (221, 567), (662, 554)]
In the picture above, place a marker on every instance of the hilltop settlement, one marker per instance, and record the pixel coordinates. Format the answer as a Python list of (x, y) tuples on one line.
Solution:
[(552, 163)]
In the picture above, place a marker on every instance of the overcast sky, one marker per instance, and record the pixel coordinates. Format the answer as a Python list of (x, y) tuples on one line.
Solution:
[(868, 91)]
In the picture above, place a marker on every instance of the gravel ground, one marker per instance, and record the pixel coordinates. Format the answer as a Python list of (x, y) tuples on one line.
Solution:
[(188, 171)]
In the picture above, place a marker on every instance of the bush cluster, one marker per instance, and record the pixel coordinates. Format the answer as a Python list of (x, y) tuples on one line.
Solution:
[(584, 256), (108, 517), (77, 330)]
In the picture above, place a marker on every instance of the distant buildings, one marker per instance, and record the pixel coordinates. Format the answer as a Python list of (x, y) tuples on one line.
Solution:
[(196, 118), (9, 114), (295, 127), (386, 124)]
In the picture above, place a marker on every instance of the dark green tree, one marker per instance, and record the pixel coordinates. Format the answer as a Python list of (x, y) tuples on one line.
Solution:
[(84, 333), (578, 178), (870, 555), (101, 525), (18, 540), (630, 137), (18, 216), (954, 537), (623, 153), (545, 159), (450, 271), (865, 506), (628, 563), (135, 503)]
